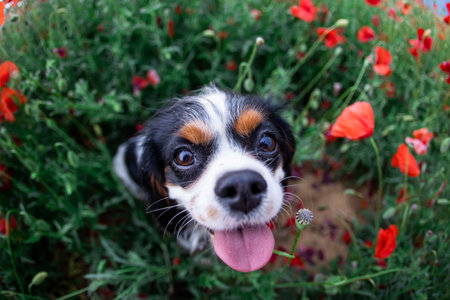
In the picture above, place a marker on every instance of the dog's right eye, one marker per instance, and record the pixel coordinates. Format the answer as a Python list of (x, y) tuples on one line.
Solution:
[(184, 158)]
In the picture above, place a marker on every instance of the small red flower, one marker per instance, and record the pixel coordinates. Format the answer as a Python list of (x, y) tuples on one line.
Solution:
[(424, 135), (332, 38), (386, 242), (445, 67), (7, 105), (365, 34), (222, 35), (256, 13), (422, 43), (402, 158), (373, 2), (170, 29), (447, 18), (368, 244), (392, 14), (139, 126), (5, 178), (347, 238), (297, 262), (61, 52), (176, 261), (7, 70), (230, 66), (382, 62), (355, 122), (402, 196), (376, 21), (305, 11), (389, 87), (2, 13), (5, 227), (178, 10), (139, 83), (153, 77), (419, 146)]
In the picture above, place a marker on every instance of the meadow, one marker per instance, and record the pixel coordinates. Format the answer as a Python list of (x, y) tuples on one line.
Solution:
[(365, 86)]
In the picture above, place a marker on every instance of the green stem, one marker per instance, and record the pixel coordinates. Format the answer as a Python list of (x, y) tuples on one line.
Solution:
[(405, 190), (310, 52), (380, 181), (11, 253), (293, 248), (243, 75), (339, 283), (310, 85), (353, 88)]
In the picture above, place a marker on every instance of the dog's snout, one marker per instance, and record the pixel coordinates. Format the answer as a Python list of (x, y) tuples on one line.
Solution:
[(241, 190)]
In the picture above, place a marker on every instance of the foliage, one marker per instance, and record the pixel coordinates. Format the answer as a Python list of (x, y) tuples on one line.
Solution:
[(77, 59)]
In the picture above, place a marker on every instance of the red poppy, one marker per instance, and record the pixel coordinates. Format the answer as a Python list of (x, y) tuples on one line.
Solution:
[(402, 196), (368, 244), (139, 83), (230, 66), (386, 242), (297, 262), (365, 34), (2, 13), (153, 77), (355, 122), (373, 2), (139, 126), (5, 178), (178, 10), (422, 43), (170, 29), (389, 87), (61, 52), (382, 62), (402, 158), (305, 11), (332, 38), (418, 145), (392, 14), (256, 13), (445, 67), (424, 135), (347, 238), (447, 18), (5, 227), (376, 21), (176, 261), (7, 105), (405, 8), (7, 70)]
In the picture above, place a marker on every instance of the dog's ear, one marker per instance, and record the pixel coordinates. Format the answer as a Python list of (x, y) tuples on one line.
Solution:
[(287, 145)]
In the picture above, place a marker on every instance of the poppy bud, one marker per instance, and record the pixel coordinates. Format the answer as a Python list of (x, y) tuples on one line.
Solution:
[(303, 218), (259, 41), (341, 23), (38, 279)]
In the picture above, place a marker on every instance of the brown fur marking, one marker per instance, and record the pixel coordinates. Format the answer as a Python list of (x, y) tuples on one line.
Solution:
[(248, 121), (196, 132), (212, 212)]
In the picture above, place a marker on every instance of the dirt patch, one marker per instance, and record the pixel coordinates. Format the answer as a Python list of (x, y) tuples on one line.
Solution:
[(327, 238)]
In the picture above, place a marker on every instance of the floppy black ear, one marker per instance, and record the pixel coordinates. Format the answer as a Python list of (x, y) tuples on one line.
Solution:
[(287, 145)]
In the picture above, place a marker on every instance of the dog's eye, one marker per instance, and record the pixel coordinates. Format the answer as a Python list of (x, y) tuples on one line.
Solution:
[(267, 143), (184, 158)]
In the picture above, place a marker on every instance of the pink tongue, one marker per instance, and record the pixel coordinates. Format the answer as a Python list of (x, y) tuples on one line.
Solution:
[(245, 249)]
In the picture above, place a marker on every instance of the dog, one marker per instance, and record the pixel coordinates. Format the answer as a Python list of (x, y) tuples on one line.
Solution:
[(212, 166)]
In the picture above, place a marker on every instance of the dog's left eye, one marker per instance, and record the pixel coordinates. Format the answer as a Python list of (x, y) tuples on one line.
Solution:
[(184, 158), (267, 143)]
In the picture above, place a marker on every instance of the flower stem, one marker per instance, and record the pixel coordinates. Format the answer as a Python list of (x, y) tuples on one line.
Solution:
[(405, 189), (380, 181), (11, 254), (293, 248), (246, 70)]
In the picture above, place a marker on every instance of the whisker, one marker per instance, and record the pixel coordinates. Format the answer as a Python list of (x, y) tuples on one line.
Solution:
[(167, 226), (163, 208)]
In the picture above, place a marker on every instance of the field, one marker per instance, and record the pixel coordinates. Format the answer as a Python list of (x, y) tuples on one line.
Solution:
[(365, 86)]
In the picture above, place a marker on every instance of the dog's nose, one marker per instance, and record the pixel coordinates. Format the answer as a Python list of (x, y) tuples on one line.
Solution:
[(241, 190)]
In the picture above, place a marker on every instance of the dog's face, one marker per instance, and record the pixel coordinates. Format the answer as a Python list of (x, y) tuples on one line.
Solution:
[(216, 159)]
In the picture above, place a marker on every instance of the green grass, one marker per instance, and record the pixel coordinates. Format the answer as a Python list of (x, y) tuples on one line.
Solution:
[(78, 223)]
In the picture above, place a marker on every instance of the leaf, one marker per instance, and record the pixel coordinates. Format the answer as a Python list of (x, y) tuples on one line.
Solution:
[(443, 201), (38, 279), (73, 159), (282, 253), (389, 213), (445, 145)]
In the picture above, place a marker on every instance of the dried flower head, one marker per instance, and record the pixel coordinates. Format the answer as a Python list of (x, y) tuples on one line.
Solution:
[(303, 218)]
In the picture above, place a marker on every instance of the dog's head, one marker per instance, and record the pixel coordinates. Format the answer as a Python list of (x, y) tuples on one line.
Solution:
[(217, 159)]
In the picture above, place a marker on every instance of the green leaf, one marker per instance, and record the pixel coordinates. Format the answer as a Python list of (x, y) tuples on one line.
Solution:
[(445, 145), (389, 213), (282, 253)]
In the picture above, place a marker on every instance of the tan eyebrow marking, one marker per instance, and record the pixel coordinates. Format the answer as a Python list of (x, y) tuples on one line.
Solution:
[(212, 213), (248, 121), (196, 132)]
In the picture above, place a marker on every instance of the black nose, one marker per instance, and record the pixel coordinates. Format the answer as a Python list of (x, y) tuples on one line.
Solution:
[(241, 190)]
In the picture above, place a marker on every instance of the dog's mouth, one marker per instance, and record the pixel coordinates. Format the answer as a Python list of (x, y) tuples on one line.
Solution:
[(245, 249)]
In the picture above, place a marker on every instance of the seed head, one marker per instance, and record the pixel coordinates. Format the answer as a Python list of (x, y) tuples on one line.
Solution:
[(303, 218)]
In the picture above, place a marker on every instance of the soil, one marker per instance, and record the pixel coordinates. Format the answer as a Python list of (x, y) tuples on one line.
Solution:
[(325, 240)]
